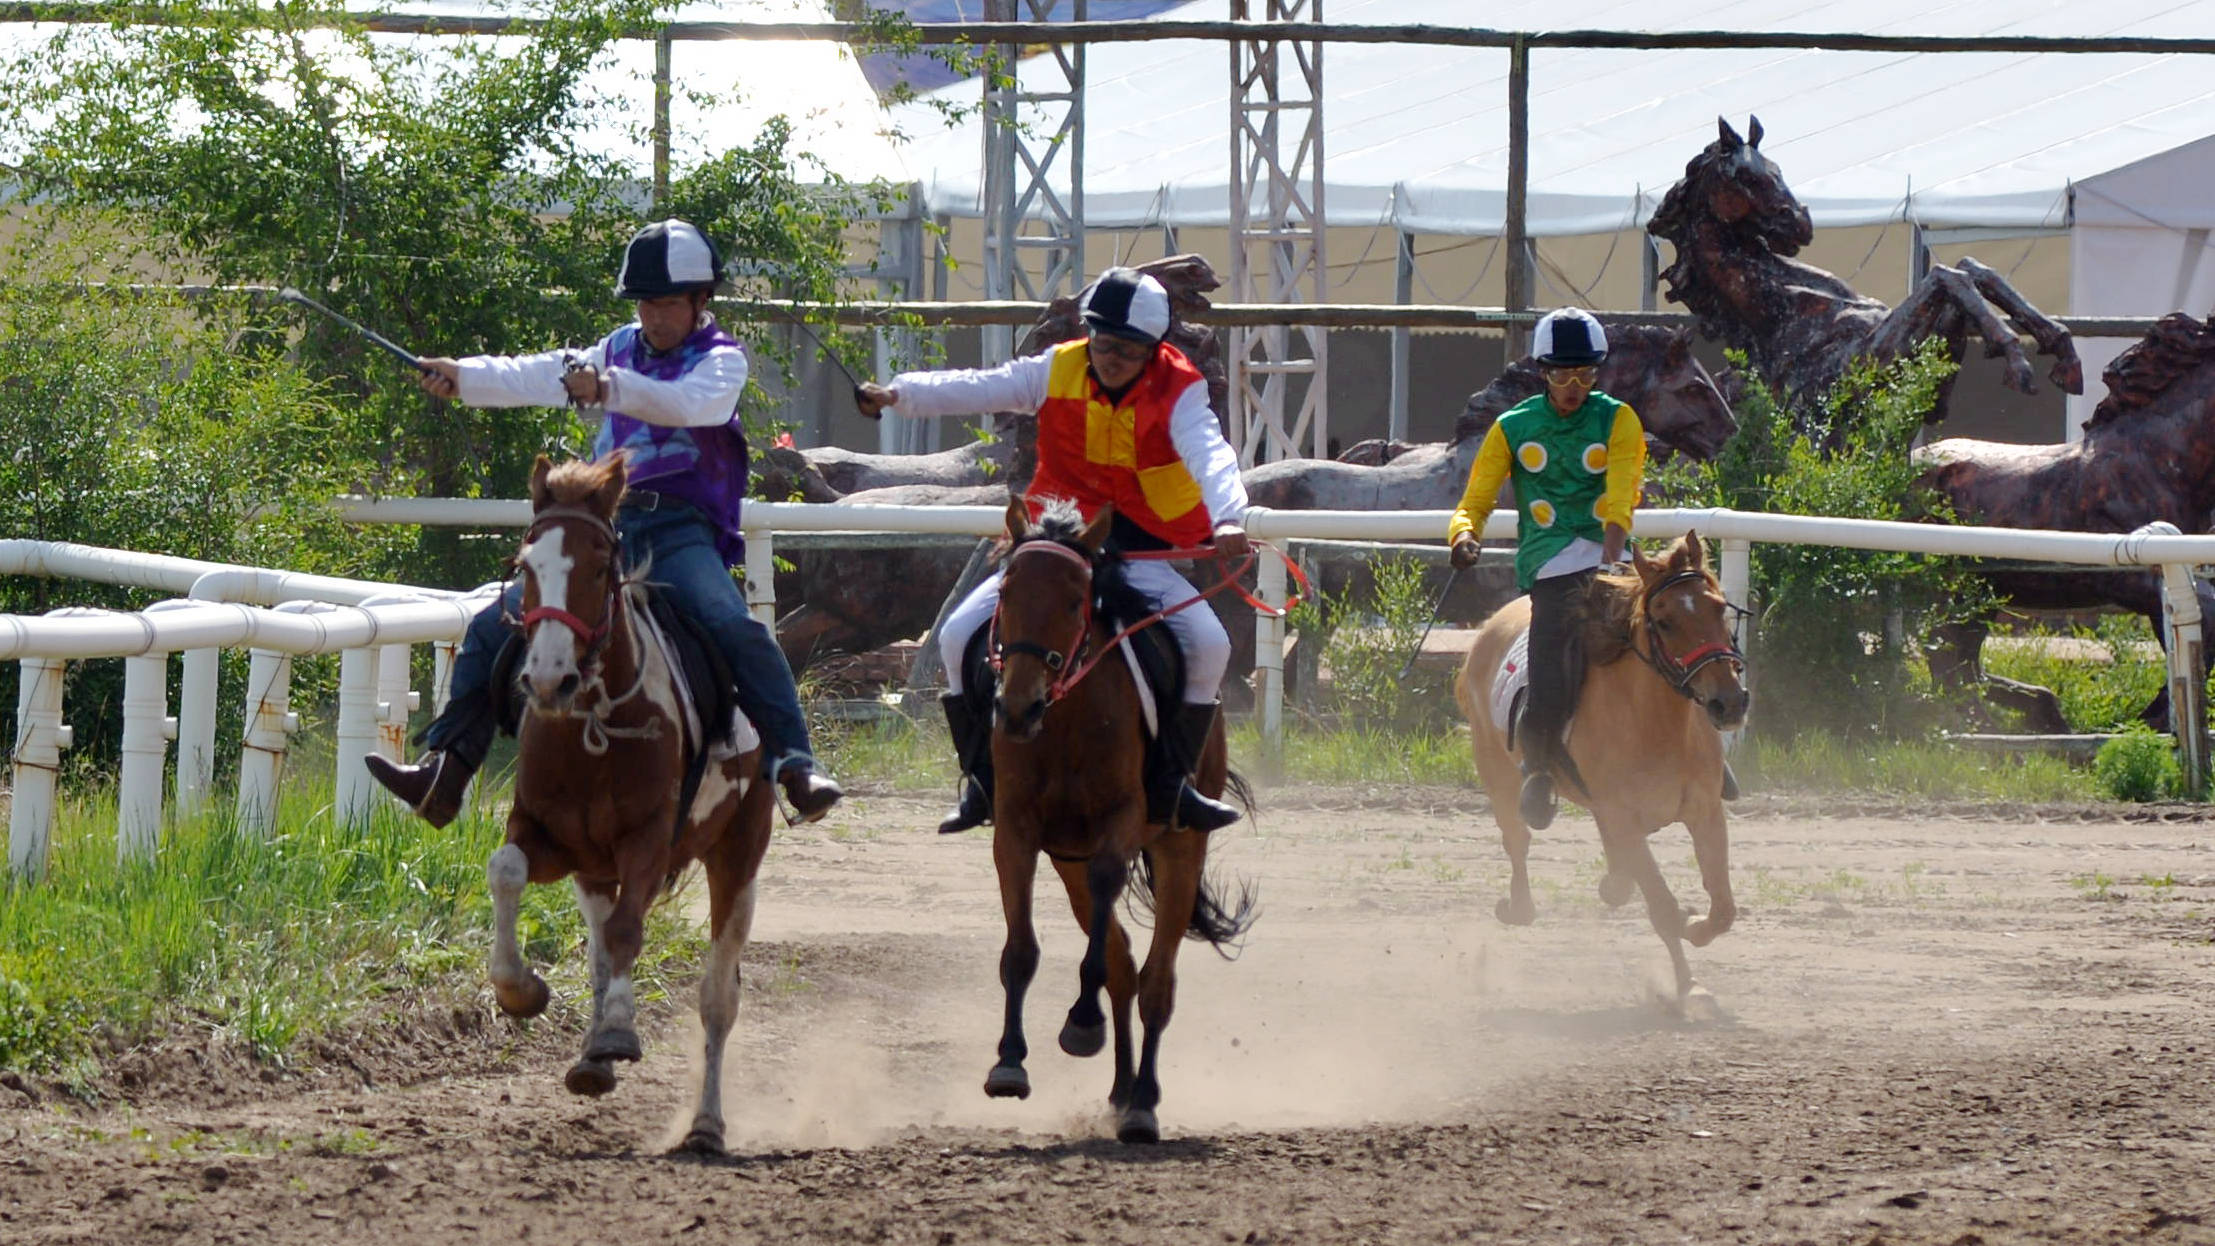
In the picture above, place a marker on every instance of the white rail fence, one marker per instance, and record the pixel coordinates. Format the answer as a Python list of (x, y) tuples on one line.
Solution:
[(374, 626)]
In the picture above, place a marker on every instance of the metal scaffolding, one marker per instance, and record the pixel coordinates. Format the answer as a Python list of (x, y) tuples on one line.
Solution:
[(1277, 211), (1024, 137)]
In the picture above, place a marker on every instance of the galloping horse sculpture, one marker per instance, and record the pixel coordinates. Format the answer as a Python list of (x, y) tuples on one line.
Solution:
[(2148, 453), (1664, 681), (1735, 227), (604, 747), (1068, 751)]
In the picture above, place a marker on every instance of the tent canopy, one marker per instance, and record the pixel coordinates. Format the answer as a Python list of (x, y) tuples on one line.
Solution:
[(1416, 136)]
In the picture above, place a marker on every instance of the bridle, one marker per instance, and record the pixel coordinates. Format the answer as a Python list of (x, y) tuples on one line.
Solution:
[(1066, 664), (597, 732), (1676, 671)]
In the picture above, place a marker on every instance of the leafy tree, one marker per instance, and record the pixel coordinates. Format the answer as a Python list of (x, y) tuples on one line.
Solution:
[(446, 191)]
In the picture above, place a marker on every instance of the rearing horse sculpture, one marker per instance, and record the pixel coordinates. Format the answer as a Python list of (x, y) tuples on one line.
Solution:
[(1735, 226)]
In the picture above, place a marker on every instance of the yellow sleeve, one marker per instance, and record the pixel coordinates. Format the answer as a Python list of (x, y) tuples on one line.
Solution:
[(1626, 468), (1486, 476)]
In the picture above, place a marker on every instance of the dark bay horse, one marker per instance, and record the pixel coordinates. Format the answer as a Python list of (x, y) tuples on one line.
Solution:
[(1069, 759), (2148, 453), (1735, 227), (604, 745), (1664, 681)]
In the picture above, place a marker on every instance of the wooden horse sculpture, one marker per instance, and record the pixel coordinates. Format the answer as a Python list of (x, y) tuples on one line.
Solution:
[(1735, 226), (604, 746), (1663, 682), (2148, 453), (1068, 748)]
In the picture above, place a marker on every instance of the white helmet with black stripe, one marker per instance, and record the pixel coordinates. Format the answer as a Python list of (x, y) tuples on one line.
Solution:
[(1569, 338), (1126, 303), (668, 257)]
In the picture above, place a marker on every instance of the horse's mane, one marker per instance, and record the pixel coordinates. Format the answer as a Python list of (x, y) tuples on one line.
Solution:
[(2177, 346), (1521, 379), (1613, 608), (1112, 593), (575, 482), (1672, 219)]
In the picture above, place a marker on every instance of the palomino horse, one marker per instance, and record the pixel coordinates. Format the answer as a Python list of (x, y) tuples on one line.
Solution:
[(604, 749), (1663, 682), (1068, 750)]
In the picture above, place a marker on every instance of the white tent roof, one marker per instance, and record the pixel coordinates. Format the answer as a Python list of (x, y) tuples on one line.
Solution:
[(1416, 136)]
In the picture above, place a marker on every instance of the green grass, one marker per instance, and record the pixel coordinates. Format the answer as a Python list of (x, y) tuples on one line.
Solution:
[(2096, 694), (1820, 763), (264, 941), (895, 752)]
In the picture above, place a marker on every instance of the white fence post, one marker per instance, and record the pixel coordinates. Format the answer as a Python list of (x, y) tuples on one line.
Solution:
[(355, 793), (395, 699), (761, 577), (196, 730), (40, 737), (442, 673), (1269, 649), (1738, 579), (2180, 612), (147, 728)]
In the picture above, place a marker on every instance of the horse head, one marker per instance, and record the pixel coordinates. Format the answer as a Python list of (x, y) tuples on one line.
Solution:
[(1677, 400), (572, 569), (1731, 184), (1686, 622), (1044, 619)]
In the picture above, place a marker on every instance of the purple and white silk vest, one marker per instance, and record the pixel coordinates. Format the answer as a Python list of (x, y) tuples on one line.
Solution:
[(705, 465)]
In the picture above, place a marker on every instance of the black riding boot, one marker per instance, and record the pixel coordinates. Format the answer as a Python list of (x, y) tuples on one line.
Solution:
[(971, 726), (1169, 785), (1537, 800), (434, 786)]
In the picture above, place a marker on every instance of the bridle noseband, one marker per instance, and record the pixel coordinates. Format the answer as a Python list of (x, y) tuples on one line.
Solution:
[(595, 639), (1678, 672)]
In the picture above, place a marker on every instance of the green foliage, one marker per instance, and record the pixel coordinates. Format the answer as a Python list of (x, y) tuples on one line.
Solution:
[(1819, 762), (2138, 766), (2098, 692), (1838, 627), (446, 192), (1368, 631)]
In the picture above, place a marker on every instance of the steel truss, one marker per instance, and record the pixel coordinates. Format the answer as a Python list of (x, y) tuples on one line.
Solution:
[(1026, 133)]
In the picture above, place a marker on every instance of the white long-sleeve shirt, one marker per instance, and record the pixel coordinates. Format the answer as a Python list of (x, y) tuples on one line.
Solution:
[(1020, 385), (702, 397)]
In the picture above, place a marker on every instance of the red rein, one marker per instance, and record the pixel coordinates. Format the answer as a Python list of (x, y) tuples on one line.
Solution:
[(1071, 664)]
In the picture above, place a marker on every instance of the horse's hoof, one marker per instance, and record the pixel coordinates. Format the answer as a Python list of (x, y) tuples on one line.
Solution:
[(1137, 1125), (1008, 1081), (1617, 889), (1511, 914), (1702, 932), (707, 1143), (1083, 1040), (614, 1044), (590, 1078), (527, 1000)]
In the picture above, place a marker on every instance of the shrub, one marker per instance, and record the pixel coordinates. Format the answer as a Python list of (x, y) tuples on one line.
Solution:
[(2137, 766), (1368, 631)]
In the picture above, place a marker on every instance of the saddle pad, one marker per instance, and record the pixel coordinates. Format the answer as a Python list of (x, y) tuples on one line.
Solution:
[(684, 664), (1510, 680)]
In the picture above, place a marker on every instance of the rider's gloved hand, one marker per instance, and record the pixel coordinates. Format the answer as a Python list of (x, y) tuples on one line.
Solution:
[(1231, 541), (872, 399), (1466, 551)]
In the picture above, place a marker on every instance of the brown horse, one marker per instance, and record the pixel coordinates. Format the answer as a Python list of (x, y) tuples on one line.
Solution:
[(604, 749), (1069, 760), (1663, 683)]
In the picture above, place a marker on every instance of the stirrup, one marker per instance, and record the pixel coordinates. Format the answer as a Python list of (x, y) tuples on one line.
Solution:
[(811, 795), (974, 809)]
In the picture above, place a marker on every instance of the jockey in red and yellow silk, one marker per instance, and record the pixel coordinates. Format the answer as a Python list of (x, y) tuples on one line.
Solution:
[(1123, 421)]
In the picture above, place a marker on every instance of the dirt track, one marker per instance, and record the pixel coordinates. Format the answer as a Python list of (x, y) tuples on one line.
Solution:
[(1945, 1029)]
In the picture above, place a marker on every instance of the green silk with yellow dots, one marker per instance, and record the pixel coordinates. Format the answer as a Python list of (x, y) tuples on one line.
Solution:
[(1558, 465)]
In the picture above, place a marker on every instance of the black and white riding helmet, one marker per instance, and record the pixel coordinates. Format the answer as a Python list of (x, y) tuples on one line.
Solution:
[(668, 257), (1126, 303), (1569, 338)]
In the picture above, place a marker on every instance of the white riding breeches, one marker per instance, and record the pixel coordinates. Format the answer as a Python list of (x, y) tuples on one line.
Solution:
[(1200, 635)]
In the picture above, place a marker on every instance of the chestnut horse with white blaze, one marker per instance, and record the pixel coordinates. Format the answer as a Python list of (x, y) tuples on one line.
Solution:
[(604, 746), (1068, 753), (1664, 680)]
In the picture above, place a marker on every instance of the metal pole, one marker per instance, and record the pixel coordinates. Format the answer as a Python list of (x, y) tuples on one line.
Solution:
[(761, 577), (146, 731), (1269, 648), (1738, 578), (1649, 271), (395, 699), (196, 730), (1403, 290), (661, 119), (269, 721), (355, 792), (1513, 238)]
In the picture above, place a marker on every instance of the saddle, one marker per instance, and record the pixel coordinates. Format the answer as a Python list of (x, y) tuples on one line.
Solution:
[(1511, 687), (1155, 662)]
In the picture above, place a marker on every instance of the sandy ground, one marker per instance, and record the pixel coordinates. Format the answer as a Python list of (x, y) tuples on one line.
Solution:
[(1953, 1026)]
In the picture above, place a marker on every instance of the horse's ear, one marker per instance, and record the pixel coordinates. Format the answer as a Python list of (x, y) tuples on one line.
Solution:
[(1019, 517), (1753, 130), (1648, 570), (540, 470), (1096, 533), (615, 474), (1694, 550), (1727, 136)]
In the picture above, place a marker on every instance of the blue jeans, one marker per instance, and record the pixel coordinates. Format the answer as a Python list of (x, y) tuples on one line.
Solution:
[(686, 565)]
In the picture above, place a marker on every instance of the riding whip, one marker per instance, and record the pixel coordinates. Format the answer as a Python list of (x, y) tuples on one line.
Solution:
[(291, 295), (1429, 620)]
